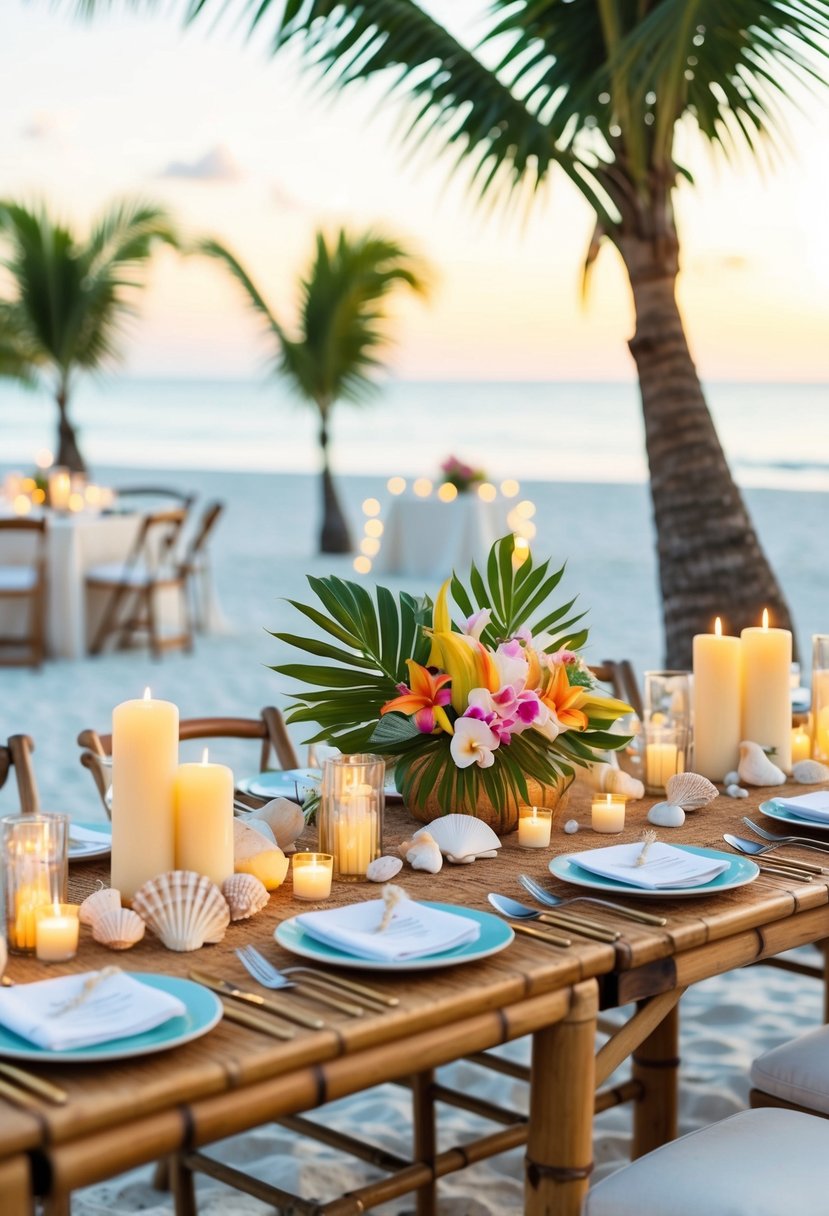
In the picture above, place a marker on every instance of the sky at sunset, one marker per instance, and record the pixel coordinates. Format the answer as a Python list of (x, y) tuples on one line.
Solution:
[(249, 149)]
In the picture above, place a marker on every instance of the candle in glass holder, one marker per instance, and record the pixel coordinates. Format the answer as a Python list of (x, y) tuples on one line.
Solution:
[(312, 875), (607, 814), (664, 755), (801, 744), (350, 816), (204, 819), (34, 872), (534, 827), (56, 932)]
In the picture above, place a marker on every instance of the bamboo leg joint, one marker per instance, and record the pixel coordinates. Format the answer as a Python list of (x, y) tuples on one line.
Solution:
[(556, 1173)]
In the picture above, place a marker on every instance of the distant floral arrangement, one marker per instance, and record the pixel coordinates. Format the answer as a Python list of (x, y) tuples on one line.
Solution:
[(460, 474)]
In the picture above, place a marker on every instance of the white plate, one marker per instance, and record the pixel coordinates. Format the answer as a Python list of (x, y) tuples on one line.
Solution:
[(495, 936), (88, 850), (740, 871)]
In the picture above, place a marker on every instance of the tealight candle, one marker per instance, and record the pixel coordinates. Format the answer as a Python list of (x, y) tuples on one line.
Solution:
[(312, 875), (801, 744), (534, 827), (56, 932), (608, 814)]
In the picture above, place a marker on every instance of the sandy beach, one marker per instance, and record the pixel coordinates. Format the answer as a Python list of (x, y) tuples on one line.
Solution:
[(263, 550)]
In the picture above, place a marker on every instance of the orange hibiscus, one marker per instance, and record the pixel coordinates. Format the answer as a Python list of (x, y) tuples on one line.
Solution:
[(564, 700), (424, 700)]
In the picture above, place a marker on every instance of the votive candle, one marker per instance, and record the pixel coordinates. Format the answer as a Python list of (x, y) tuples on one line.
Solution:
[(607, 814), (56, 932), (801, 744), (312, 875), (534, 827)]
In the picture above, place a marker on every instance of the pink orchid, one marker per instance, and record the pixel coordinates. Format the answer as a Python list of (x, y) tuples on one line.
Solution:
[(477, 623)]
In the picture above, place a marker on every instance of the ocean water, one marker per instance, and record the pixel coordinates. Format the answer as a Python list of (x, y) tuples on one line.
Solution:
[(776, 436)]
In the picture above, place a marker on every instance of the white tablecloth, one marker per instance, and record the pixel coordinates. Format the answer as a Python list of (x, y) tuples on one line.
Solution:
[(427, 537)]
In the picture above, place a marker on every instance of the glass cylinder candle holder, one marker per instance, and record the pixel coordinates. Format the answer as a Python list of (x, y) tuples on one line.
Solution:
[(665, 755), (820, 697), (535, 824), (312, 875), (667, 698), (34, 867), (350, 814), (607, 814), (56, 932)]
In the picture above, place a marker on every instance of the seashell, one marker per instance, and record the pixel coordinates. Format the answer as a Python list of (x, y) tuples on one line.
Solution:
[(248, 841), (461, 838), (810, 772), (383, 868), (118, 928), (571, 827), (690, 791), (245, 895), (183, 908), (736, 791), (423, 853), (732, 778), (105, 899), (608, 778), (284, 818), (666, 815), (269, 867), (755, 768)]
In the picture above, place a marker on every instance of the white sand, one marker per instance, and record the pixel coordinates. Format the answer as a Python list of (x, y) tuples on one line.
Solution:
[(261, 554)]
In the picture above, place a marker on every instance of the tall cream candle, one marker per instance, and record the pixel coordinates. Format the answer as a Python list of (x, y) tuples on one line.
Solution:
[(717, 709), (144, 763), (767, 705), (204, 819)]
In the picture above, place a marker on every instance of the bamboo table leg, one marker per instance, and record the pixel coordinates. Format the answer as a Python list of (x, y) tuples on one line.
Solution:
[(425, 1146), (656, 1068), (560, 1136), (16, 1187)]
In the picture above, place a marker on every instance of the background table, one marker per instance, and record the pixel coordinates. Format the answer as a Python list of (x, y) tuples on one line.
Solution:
[(427, 537)]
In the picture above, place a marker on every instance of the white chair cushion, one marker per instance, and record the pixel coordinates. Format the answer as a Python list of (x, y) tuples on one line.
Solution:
[(797, 1072), (17, 578), (117, 572), (763, 1162)]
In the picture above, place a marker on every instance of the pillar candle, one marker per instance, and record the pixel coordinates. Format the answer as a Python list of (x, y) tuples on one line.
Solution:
[(820, 715), (717, 703), (144, 764), (204, 819), (767, 705)]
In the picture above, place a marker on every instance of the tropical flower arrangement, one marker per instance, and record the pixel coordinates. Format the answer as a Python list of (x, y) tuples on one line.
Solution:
[(469, 710), (461, 475)]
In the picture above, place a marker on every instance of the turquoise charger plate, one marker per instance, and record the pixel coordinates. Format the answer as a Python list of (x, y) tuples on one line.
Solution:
[(773, 810), (88, 851), (495, 935), (740, 871), (204, 1010)]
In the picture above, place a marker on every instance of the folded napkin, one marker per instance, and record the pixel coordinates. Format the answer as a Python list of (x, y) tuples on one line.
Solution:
[(813, 807), (664, 866), (413, 931), (51, 1013)]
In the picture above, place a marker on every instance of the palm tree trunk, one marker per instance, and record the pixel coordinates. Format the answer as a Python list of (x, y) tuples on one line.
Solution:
[(710, 560), (69, 453), (334, 534)]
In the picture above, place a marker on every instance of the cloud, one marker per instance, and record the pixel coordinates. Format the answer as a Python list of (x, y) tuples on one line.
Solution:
[(217, 165)]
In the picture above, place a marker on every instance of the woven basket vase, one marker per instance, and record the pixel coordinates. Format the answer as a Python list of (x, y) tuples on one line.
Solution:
[(501, 819)]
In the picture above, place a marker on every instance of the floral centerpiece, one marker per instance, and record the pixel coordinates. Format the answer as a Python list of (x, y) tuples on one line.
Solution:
[(460, 474), (474, 713)]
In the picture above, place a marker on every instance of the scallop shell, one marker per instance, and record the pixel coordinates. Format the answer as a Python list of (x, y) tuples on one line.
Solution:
[(423, 853), (119, 929), (382, 869), (284, 818), (183, 908), (810, 772), (610, 779), (461, 838), (96, 905), (690, 791), (755, 768), (245, 895)]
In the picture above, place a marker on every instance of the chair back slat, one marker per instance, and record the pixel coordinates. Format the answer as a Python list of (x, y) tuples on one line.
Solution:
[(620, 676), (20, 748)]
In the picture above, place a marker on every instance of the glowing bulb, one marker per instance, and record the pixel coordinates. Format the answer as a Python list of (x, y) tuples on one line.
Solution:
[(487, 492), (510, 487), (718, 627), (528, 530), (22, 504), (422, 487), (765, 618), (371, 507), (44, 458), (374, 527), (370, 546), (447, 492), (362, 565), (76, 502), (38, 496), (396, 485), (526, 509)]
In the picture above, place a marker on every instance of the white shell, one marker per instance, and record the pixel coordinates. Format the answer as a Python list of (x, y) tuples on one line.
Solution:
[(245, 895), (810, 772), (610, 779), (423, 853), (118, 928), (247, 841), (690, 791), (736, 791), (666, 815), (732, 778), (104, 900), (461, 838), (183, 908), (571, 827), (383, 868), (755, 768), (285, 820)]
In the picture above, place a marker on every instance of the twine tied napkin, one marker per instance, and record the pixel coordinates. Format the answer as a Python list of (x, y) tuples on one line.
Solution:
[(814, 807), (665, 866), (72, 1011), (414, 930)]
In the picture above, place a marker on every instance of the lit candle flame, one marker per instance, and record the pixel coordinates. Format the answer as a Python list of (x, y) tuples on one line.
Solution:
[(204, 755), (147, 695), (765, 618), (608, 799), (718, 627)]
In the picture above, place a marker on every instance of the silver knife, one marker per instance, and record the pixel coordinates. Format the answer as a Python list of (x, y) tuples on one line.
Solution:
[(225, 988)]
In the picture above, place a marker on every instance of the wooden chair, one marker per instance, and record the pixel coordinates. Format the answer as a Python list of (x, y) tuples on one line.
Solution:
[(151, 566), (195, 563), (157, 494), (269, 727), (17, 755), (621, 678), (19, 583)]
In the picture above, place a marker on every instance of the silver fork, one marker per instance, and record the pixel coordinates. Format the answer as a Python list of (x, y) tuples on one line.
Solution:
[(802, 841), (554, 901), (271, 977)]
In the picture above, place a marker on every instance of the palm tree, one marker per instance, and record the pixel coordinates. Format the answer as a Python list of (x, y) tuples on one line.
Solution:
[(70, 297), (342, 328), (599, 88)]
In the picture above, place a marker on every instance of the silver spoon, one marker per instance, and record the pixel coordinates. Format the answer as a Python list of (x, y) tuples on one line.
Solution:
[(513, 910), (555, 901), (753, 848)]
